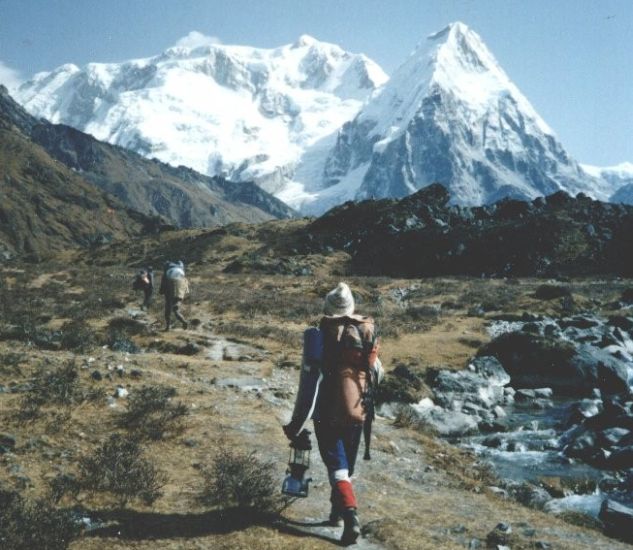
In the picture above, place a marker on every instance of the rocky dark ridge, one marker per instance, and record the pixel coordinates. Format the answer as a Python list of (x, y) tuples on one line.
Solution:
[(422, 235), (182, 196)]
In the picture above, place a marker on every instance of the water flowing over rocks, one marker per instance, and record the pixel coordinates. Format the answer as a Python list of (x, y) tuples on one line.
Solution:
[(573, 356)]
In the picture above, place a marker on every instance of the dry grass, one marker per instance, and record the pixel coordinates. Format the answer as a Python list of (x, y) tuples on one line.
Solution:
[(417, 492)]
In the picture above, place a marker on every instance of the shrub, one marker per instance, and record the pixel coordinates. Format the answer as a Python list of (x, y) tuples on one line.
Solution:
[(28, 525), (406, 417), (128, 326), (57, 387), (77, 336), (550, 292), (240, 480), (10, 362), (118, 468), (151, 412)]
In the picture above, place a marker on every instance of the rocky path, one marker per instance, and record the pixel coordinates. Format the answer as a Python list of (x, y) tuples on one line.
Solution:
[(412, 493)]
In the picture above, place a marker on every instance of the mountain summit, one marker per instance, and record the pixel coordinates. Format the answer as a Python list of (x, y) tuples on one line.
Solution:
[(448, 114), (316, 125), (239, 112)]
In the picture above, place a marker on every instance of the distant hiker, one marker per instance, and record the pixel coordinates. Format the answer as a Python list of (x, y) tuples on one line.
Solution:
[(340, 399), (144, 280), (174, 286)]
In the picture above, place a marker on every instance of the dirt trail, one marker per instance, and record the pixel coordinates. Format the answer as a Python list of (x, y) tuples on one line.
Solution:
[(407, 500)]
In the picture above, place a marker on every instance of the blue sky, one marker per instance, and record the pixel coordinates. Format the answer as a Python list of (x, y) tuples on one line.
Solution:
[(573, 59)]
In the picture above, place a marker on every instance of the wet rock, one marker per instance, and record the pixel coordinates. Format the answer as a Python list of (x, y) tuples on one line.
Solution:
[(581, 410), (448, 423), (627, 296), (494, 426), (551, 292), (537, 361), (612, 436), (621, 459), (529, 495), (617, 519)]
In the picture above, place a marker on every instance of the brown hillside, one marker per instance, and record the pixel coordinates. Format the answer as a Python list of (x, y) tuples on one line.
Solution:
[(47, 207)]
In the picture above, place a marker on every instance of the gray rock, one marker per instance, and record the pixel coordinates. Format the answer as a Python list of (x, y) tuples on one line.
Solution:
[(491, 369), (611, 436), (536, 361), (617, 519), (449, 423), (621, 459)]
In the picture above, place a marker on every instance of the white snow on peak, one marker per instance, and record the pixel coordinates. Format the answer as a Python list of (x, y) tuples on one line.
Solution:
[(243, 112), (456, 61), (451, 114)]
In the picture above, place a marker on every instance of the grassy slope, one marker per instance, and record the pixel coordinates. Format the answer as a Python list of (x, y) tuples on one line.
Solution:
[(417, 492), (47, 207)]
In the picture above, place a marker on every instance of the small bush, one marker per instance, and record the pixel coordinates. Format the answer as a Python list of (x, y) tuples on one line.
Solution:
[(28, 525), (406, 417), (78, 336), (119, 341), (118, 468), (57, 387), (240, 480), (405, 384), (10, 362), (551, 292), (128, 326), (151, 413)]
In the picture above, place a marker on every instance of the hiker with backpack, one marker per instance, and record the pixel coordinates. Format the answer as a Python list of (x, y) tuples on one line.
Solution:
[(144, 280), (341, 399), (174, 286)]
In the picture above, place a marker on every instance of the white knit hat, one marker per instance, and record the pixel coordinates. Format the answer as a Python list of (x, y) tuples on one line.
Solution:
[(339, 301)]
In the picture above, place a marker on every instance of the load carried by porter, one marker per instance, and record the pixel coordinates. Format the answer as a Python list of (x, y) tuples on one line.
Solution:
[(174, 286), (340, 368)]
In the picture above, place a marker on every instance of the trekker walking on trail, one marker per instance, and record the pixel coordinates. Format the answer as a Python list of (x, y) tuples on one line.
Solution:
[(174, 286), (348, 371), (144, 280)]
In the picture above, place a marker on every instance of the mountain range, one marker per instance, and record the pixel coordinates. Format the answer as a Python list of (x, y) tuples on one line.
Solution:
[(179, 195), (316, 125)]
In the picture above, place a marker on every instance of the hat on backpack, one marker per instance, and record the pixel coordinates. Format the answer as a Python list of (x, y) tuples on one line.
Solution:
[(339, 301)]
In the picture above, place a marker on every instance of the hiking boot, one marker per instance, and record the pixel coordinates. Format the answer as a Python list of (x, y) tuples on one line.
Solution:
[(351, 529), (335, 518)]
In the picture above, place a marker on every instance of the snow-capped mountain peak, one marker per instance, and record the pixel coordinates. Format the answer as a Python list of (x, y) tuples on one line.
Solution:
[(237, 111), (449, 114), (317, 125)]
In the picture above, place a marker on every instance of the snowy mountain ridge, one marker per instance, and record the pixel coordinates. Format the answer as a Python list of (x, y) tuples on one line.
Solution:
[(619, 176), (240, 112), (317, 125), (448, 114)]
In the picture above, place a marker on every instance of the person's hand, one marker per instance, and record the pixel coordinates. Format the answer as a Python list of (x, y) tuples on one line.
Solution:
[(291, 429)]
